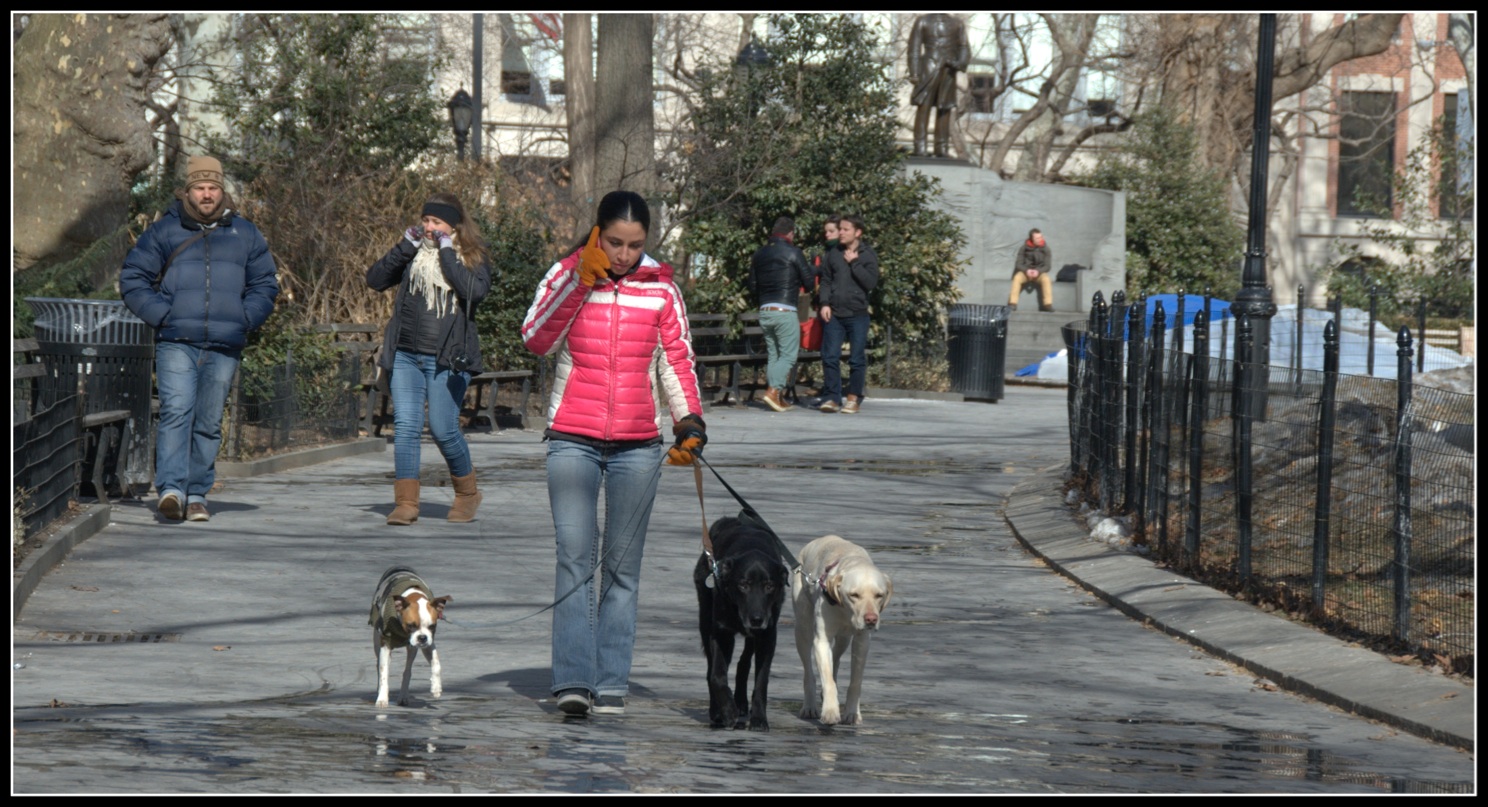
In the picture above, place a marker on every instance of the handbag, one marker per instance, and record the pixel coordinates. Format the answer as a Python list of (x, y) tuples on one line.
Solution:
[(811, 334)]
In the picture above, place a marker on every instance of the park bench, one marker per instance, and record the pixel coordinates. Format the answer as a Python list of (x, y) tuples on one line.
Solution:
[(717, 350)]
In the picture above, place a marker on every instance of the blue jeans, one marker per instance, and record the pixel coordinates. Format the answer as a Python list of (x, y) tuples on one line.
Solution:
[(193, 383), (854, 331), (594, 629), (416, 378)]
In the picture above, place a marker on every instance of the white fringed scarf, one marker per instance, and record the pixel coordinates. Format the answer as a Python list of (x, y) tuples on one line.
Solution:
[(427, 278)]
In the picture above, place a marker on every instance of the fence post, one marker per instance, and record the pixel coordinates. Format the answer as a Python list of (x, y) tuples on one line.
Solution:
[(1157, 424), (1297, 342), (1323, 514), (234, 416), (1115, 343), (1373, 307), (1402, 527), (889, 356), (1135, 323), (1421, 336), (1244, 345), (1197, 415), (1095, 351)]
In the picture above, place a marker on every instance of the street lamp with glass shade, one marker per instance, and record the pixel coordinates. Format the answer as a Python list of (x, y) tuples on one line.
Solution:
[(462, 115), (750, 57)]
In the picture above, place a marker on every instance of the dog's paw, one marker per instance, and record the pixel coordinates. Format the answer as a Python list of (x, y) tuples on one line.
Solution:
[(726, 716), (852, 718), (759, 723), (435, 692), (382, 703), (831, 716), (810, 711)]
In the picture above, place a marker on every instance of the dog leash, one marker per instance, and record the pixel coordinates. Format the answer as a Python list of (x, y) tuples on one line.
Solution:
[(697, 475), (583, 581)]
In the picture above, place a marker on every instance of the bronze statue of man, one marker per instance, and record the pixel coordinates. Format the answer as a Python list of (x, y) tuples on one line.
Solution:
[(938, 49)]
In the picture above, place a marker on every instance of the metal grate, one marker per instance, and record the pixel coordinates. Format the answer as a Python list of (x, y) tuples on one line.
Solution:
[(96, 637)]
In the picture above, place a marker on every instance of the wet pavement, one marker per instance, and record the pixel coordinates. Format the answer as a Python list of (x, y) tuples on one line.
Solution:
[(243, 661)]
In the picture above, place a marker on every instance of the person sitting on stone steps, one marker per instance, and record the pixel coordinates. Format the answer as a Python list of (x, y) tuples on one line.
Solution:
[(1032, 266)]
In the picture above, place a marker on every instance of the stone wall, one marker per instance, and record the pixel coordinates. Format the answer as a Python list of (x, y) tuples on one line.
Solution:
[(1082, 226)]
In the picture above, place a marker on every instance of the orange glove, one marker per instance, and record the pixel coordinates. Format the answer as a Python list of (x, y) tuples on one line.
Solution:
[(594, 264), (691, 437)]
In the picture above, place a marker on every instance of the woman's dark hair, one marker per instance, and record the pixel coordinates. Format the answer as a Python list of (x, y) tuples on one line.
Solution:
[(620, 206), (856, 222), (624, 206)]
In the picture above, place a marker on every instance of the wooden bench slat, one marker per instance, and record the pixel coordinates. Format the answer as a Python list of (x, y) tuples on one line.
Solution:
[(29, 370), (101, 418), (24, 346)]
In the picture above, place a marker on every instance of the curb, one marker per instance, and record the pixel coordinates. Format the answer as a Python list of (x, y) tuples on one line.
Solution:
[(1296, 657), (25, 579), (299, 459)]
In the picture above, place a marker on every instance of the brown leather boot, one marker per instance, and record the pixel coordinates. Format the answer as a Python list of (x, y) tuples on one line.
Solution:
[(467, 498), (406, 497), (772, 400)]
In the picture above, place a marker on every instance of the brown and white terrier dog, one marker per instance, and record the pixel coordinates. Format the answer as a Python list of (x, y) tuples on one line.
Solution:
[(404, 612)]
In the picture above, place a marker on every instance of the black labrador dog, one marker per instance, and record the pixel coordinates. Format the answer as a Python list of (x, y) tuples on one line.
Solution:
[(741, 594)]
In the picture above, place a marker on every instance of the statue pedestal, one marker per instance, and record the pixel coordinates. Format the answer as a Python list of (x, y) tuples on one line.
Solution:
[(1083, 226)]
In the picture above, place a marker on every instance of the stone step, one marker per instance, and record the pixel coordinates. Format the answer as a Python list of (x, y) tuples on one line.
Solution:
[(1034, 334)]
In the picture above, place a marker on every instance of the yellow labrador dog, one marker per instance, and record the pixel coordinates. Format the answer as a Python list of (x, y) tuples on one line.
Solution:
[(838, 596)]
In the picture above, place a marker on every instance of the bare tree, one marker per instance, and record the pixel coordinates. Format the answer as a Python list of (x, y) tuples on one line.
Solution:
[(81, 131)]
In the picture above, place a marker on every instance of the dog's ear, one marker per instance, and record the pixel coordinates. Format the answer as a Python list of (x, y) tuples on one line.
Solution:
[(888, 592), (722, 568), (438, 603), (399, 603), (831, 585)]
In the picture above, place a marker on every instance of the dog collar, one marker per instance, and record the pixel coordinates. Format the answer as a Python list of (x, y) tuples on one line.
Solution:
[(821, 583)]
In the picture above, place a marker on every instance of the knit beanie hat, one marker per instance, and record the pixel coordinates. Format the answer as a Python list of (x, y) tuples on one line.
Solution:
[(203, 169)]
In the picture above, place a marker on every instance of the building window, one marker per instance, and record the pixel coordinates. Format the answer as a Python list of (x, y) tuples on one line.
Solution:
[(1366, 153), (1452, 200), (528, 43), (980, 89)]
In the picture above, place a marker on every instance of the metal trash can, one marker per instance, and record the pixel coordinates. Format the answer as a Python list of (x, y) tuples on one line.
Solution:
[(100, 349), (976, 345)]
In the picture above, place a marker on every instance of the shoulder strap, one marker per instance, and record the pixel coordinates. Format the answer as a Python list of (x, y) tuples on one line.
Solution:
[(160, 278)]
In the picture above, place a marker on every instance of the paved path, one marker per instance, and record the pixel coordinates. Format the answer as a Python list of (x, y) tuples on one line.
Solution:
[(992, 673)]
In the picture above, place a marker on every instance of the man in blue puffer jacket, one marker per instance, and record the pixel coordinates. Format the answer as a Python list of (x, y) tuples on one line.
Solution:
[(203, 277)]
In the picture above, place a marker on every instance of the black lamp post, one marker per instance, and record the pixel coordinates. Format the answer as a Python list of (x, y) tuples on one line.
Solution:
[(1254, 299), (462, 114), (751, 56)]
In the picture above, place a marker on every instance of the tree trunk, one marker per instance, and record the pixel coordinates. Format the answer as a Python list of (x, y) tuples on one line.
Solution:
[(578, 78), (81, 132), (624, 122)]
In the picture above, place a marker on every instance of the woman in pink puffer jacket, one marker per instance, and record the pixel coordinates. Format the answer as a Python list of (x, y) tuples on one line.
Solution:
[(617, 325)]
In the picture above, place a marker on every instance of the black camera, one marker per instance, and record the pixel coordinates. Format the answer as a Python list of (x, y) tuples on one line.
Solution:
[(460, 363)]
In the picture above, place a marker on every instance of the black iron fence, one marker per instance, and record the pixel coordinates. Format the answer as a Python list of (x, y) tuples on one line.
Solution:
[(294, 404), (1346, 500)]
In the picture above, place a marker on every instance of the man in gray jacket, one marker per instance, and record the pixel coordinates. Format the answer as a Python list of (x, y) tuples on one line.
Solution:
[(777, 274)]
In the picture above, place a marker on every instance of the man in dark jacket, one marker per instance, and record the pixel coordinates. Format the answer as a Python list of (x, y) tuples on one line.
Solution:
[(851, 272), (1032, 267), (777, 274), (202, 277)]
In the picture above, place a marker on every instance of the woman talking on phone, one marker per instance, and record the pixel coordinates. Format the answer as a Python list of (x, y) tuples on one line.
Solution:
[(616, 324), (430, 346)]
